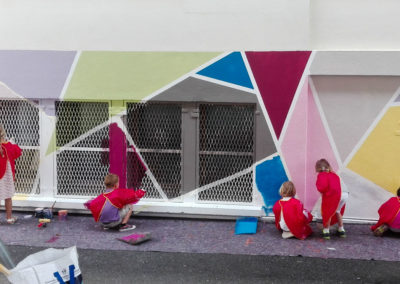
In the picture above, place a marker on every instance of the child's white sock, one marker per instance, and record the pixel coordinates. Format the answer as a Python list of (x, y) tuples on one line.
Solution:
[(341, 229), (325, 231)]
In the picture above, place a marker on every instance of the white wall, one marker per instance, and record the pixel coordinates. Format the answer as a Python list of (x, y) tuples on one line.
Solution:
[(154, 25), (355, 24), (199, 25)]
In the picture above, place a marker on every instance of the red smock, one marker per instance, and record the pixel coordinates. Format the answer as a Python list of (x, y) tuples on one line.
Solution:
[(388, 212), (328, 184), (118, 197), (10, 152), (295, 219)]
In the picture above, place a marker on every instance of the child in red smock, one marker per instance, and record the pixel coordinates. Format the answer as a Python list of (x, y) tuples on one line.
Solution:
[(113, 208), (290, 216), (9, 152), (389, 217), (333, 203)]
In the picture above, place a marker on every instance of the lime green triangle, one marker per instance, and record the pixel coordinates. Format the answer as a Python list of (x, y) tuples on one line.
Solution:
[(117, 107), (106, 75), (52, 144)]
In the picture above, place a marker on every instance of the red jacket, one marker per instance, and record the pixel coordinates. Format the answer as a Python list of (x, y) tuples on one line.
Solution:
[(388, 212), (10, 152), (118, 197), (295, 219), (328, 184)]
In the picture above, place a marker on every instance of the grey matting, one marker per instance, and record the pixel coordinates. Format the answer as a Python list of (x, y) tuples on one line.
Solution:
[(200, 236)]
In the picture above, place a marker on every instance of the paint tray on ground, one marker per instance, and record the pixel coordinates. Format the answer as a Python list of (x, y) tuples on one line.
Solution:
[(136, 238), (246, 225)]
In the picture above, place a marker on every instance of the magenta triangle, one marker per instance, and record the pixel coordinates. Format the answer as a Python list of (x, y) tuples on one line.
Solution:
[(277, 75)]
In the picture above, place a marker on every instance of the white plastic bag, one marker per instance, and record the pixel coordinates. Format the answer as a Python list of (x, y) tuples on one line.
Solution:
[(50, 266)]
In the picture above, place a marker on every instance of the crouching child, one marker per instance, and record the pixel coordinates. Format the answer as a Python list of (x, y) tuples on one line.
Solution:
[(113, 208), (389, 217), (290, 216)]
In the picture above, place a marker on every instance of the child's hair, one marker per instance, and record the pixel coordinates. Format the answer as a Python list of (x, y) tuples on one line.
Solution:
[(322, 166), (111, 180), (2, 132), (398, 192), (287, 189)]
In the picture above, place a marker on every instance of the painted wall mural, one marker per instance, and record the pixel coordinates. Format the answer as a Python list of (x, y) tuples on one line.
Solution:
[(296, 118)]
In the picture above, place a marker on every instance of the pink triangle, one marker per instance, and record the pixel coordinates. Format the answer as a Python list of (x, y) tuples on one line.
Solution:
[(277, 75), (305, 142), (318, 147), (294, 143)]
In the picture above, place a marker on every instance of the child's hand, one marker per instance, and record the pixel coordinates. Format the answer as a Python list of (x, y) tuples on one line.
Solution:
[(11, 140)]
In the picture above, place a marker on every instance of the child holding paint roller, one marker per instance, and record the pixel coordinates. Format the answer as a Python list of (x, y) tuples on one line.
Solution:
[(333, 201), (9, 152), (290, 216), (113, 208)]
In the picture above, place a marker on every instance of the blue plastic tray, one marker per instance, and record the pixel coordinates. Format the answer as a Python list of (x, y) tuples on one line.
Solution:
[(246, 225)]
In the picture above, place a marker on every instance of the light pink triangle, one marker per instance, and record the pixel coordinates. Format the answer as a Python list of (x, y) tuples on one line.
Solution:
[(305, 142)]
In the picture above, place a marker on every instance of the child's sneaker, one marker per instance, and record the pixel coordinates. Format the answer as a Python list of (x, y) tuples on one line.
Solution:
[(381, 230), (342, 234), (326, 236), (127, 227), (287, 235), (12, 220)]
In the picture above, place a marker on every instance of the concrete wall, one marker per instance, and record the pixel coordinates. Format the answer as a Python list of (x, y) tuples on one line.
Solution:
[(191, 25)]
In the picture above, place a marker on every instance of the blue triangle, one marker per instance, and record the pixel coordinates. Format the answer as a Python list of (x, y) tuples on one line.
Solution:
[(229, 69)]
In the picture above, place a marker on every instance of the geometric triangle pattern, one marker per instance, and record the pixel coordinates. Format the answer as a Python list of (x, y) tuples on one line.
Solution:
[(351, 104), (129, 75), (277, 75), (294, 143), (270, 175), (318, 147), (378, 158), (230, 69), (306, 141), (365, 196), (36, 74)]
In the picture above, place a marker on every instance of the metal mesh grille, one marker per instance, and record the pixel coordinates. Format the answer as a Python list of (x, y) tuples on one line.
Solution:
[(82, 166), (137, 177), (156, 131), (238, 189), (75, 119), (81, 172), (226, 147), (226, 128), (21, 121)]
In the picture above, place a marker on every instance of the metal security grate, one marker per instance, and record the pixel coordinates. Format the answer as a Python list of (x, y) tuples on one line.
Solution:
[(238, 189), (156, 131), (81, 172), (20, 119), (77, 119), (226, 145), (82, 160)]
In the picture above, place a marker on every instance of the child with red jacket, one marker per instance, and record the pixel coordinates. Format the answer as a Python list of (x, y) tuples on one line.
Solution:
[(333, 202), (113, 208), (290, 216), (389, 217), (9, 152)]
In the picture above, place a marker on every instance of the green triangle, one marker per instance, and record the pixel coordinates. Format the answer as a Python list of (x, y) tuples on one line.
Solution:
[(106, 75), (52, 144)]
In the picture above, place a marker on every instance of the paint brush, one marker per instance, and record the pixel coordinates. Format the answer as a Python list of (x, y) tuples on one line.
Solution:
[(4, 270)]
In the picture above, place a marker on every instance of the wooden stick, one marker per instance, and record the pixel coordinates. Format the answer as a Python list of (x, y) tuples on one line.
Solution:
[(4, 270)]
